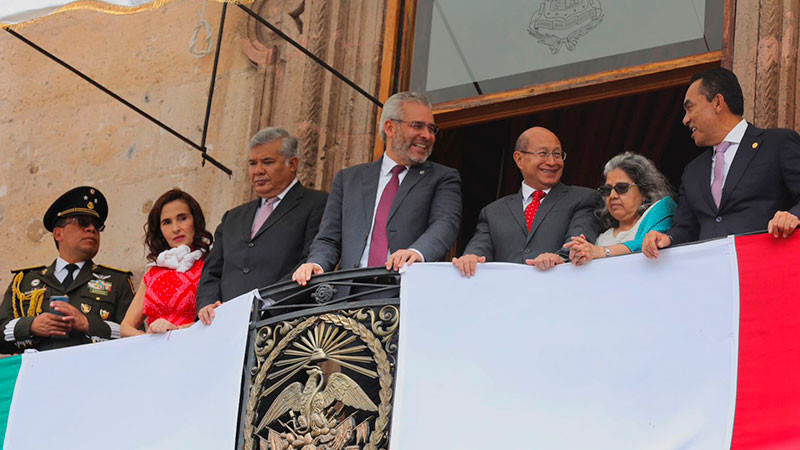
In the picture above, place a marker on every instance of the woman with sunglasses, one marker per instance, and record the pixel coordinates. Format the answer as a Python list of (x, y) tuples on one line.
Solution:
[(637, 199), (177, 241)]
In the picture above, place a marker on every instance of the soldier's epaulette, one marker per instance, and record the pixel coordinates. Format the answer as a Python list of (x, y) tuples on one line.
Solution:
[(126, 272), (27, 269)]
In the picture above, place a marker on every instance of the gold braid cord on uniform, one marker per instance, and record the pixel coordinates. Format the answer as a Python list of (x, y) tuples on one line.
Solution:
[(35, 298)]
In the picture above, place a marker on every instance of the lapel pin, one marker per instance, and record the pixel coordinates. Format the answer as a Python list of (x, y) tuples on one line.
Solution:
[(755, 144), (422, 172)]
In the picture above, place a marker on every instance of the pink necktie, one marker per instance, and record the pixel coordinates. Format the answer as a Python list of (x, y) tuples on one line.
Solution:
[(379, 246), (263, 215), (719, 168)]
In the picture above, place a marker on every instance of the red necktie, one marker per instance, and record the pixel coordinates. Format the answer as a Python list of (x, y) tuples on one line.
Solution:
[(379, 246), (533, 206)]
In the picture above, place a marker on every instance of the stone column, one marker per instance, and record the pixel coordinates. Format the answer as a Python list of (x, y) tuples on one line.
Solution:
[(765, 57), (336, 126)]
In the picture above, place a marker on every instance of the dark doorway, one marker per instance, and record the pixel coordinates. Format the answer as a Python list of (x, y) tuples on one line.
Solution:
[(590, 133)]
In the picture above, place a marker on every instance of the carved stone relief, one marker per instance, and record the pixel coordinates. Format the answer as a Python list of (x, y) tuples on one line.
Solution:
[(334, 124), (765, 59)]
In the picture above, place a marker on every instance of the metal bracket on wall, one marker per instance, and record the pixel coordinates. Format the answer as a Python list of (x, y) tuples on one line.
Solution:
[(316, 59), (200, 147)]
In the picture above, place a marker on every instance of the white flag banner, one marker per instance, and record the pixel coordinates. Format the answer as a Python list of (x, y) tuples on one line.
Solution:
[(178, 390), (621, 353)]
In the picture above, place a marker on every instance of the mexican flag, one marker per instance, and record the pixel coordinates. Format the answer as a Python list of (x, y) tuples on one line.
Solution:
[(699, 349), (171, 391)]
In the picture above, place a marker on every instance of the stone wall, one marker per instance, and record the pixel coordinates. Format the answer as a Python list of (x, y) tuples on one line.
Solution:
[(765, 58), (336, 125), (59, 132)]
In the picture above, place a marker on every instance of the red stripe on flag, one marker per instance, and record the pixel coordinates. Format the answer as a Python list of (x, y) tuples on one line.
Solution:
[(768, 385)]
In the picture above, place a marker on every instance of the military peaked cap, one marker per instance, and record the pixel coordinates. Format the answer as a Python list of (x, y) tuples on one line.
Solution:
[(80, 201)]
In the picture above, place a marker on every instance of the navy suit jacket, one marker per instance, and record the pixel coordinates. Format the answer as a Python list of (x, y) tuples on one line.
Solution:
[(764, 177)]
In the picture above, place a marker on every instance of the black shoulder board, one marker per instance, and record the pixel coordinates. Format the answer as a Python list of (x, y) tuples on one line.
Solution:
[(126, 272), (27, 269)]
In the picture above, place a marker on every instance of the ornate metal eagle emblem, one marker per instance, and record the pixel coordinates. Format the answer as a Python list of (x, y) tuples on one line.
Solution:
[(559, 23), (312, 403), (317, 387)]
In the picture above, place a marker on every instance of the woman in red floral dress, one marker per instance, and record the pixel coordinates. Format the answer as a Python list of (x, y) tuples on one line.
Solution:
[(177, 240)]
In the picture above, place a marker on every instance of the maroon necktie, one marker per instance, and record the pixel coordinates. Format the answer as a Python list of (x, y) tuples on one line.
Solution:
[(379, 246), (533, 206)]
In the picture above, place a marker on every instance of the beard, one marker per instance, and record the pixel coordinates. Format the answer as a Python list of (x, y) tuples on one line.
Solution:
[(402, 146)]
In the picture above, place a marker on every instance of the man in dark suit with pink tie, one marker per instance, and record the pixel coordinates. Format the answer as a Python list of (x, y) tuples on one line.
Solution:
[(747, 179), (264, 240)]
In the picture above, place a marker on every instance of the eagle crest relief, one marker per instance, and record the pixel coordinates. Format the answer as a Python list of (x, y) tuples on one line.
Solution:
[(324, 385), (560, 23)]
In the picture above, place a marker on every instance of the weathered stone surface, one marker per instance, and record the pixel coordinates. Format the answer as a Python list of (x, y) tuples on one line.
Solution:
[(766, 61), (336, 126), (59, 132)]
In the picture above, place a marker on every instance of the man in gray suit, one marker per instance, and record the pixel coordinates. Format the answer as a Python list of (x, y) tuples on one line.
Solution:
[(532, 225), (262, 241), (395, 211)]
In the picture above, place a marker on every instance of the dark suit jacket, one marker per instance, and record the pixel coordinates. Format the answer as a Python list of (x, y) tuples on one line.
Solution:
[(425, 214), (238, 264), (502, 234), (764, 177)]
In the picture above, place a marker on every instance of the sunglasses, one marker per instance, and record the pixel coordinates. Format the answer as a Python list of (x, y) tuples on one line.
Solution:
[(619, 188), (84, 222)]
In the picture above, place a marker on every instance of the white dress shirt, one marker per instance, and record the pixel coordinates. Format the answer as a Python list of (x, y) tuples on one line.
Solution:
[(280, 197), (61, 271), (735, 138), (527, 195)]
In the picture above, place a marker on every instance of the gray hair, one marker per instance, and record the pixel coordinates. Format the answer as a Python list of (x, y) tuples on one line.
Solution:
[(651, 183), (271, 134), (393, 108)]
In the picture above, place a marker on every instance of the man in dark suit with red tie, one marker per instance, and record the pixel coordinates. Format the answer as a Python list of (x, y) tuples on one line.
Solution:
[(395, 211), (533, 224), (746, 180), (264, 240)]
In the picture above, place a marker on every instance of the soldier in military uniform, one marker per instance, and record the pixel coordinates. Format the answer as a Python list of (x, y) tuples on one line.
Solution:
[(98, 296)]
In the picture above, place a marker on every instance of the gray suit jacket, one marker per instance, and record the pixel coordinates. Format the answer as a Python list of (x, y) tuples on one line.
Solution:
[(502, 234), (425, 214), (764, 177), (238, 264)]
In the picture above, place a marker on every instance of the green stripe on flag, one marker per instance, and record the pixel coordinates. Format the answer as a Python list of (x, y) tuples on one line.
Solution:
[(9, 369)]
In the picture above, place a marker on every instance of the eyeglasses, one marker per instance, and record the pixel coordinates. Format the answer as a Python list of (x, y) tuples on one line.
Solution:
[(419, 126), (85, 222), (558, 156), (619, 188)]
